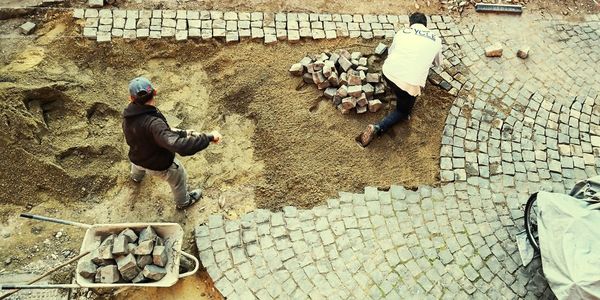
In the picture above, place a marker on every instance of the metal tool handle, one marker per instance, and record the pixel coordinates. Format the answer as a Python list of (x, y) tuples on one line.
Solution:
[(37, 287), (53, 220), (192, 272)]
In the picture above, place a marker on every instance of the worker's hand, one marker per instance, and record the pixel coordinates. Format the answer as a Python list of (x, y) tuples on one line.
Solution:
[(217, 137)]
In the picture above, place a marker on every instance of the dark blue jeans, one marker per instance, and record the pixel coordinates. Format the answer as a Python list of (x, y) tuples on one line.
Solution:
[(404, 106)]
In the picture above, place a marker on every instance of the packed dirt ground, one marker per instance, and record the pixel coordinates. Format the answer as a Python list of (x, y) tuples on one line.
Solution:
[(64, 154)]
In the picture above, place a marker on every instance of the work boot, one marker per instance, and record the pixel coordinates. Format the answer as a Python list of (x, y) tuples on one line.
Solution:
[(192, 197), (365, 138)]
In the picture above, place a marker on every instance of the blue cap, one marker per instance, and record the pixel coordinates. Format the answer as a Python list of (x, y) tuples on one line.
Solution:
[(140, 87)]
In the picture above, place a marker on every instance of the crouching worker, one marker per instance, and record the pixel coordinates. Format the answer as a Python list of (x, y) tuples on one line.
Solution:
[(153, 144)]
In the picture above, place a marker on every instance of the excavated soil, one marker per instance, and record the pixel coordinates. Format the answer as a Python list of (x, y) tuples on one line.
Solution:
[(64, 154)]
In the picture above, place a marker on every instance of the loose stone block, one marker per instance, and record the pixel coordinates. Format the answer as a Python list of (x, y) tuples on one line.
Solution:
[(354, 78), (108, 274), (368, 89), (120, 246), (139, 278), (144, 260), (330, 92), (493, 51), (147, 234), (144, 248), (333, 79), (257, 33), (380, 49), (344, 79), (154, 272), (373, 77), (95, 3), (307, 78), (132, 34), (379, 89), (270, 38), (127, 266), (318, 34), (342, 91), (232, 36), (281, 34), (361, 109), (318, 77), (345, 64), (362, 100), (159, 256), (305, 32), (27, 28), (375, 105), (297, 69), (87, 269), (348, 103), (355, 90), (523, 53), (293, 36), (90, 33), (181, 35)]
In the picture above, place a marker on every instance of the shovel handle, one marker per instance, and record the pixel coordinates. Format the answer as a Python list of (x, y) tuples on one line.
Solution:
[(53, 220), (37, 287), (192, 272)]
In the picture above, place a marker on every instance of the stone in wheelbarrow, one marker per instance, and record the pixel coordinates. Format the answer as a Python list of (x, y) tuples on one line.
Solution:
[(128, 267), (159, 256), (153, 272), (147, 234), (108, 274), (87, 269), (144, 248)]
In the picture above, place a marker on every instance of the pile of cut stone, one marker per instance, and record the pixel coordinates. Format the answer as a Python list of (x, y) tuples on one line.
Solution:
[(126, 257), (345, 79)]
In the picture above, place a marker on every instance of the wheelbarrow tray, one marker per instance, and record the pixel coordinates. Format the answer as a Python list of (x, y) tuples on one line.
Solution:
[(171, 233)]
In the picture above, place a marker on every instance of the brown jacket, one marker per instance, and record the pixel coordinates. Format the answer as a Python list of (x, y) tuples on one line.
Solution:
[(152, 143)]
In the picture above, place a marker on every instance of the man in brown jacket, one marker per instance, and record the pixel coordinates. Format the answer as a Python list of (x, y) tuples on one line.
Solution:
[(153, 143)]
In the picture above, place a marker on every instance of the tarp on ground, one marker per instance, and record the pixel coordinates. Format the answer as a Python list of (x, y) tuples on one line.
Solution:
[(569, 233)]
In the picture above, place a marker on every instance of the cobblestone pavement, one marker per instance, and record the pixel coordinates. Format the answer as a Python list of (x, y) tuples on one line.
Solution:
[(516, 126)]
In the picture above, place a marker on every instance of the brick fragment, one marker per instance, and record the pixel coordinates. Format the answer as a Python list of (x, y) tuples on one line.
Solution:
[(493, 51)]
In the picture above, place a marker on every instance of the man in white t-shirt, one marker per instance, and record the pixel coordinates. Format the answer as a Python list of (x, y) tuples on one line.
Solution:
[(405, 71)]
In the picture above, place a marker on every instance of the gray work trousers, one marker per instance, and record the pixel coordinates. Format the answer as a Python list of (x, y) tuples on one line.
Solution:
[(175, 175)]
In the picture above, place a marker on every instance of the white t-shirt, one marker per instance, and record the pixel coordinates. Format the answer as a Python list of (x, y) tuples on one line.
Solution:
[(410, 56)]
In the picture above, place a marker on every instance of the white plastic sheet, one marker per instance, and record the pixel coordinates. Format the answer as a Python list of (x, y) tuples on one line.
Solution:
[(569, 234)]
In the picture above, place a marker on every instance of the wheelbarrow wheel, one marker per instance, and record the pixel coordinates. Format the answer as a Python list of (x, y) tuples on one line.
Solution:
[(531, 225)]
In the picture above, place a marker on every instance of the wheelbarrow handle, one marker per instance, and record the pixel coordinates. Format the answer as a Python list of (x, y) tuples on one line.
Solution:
[(37, 286), (192, 272), (53, 220)]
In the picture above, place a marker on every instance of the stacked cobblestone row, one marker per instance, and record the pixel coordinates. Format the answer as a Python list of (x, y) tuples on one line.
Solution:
[(104, 24), (345, 79)]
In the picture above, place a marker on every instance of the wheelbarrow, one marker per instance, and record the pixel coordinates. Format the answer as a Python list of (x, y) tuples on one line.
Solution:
[(172, 234)]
